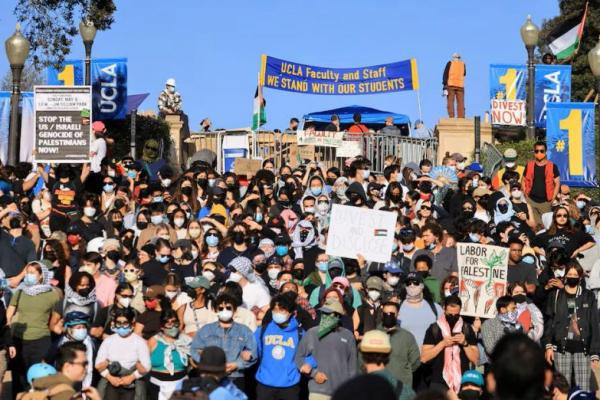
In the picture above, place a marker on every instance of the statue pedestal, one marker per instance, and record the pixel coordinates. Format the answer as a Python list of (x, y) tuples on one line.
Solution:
[(457, 135), (175, 126)]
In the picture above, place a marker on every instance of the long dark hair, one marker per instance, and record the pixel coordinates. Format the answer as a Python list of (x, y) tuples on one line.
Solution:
[(568, 226)]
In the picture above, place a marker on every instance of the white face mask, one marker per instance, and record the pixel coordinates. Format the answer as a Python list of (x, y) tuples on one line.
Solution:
[(273, 273), (209, 275), (225, 315), (166, 182), (393, 280), (156, 219), (124, 301), (178, 222), (171, 294), (517, 194), (374, 294), (89, 211), (235, 277), (510, 165), (166, 237)]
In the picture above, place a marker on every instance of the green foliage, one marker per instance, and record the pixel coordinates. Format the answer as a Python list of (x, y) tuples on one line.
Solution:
[(582, 78), (50, 25), (146, 128)]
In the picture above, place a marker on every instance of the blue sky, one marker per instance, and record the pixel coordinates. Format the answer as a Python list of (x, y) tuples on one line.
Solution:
[(213, 48)]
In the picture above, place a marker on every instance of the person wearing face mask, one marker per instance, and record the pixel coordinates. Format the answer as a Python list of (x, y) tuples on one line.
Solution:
[(108, 196), (523, 210), (368, 311), (90, 225), (406, 249), (131, 273), (505, 322), (76, 329), (235, 339), (169, 356), (510, 164), (197, 313), (173, 292), (471, 385), (541, 182), (123, 359), (449, 346), (336, 268), (156, 269), (318, 277), (105, 285), (423, 264), (101, 325), (157, 218), (394, 277), (255, 293), (273, 267), (572, 329), (277, 342), (405, 357), (80, 296), (32, 317), (237, 233)]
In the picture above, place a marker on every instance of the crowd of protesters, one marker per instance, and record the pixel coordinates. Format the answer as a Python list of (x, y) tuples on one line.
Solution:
[(126, 283)]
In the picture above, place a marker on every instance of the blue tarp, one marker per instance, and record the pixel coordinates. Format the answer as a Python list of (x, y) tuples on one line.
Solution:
[(369, 115)]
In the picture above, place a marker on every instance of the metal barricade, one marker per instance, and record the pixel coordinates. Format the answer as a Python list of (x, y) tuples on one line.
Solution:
[(379, 146), (491, 158)]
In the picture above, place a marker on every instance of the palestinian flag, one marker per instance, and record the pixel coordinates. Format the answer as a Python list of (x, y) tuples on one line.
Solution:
[(566, 37), (259, 116)]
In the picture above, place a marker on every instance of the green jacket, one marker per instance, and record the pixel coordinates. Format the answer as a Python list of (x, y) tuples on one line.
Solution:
[(433, 284), (405, 357)]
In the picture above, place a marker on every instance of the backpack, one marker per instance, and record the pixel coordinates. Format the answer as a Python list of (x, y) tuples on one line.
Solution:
[(45, 394)]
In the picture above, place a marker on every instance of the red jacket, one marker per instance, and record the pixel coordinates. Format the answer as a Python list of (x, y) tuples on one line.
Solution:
[(549, 179)]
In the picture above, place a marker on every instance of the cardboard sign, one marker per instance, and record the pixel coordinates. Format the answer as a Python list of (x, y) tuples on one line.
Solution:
[(63, 127), (246, 166), (482, 272), (354, 230), (349, 148), (321, 138)]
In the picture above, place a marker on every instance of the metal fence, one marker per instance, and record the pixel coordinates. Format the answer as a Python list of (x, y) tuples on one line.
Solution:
[(280, 147)]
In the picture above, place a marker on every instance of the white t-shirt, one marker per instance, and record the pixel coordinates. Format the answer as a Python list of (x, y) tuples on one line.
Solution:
[(99, 148), (255, 294)]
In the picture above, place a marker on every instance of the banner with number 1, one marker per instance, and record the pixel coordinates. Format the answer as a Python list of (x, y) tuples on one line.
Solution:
[(570, 135)]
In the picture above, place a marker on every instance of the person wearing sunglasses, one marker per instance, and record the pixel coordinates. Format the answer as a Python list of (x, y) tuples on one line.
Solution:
[(574, 241), (123, 359), (103, 322), (540, 192), (235, 339), (424, 213)]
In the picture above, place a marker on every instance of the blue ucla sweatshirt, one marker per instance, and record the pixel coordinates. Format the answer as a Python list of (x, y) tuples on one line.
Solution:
[(276, 352)]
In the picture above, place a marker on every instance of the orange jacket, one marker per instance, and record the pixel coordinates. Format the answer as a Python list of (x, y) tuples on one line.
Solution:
[(549, 179), (456, 74)]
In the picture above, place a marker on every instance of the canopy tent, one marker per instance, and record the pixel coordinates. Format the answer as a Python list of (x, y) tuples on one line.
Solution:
[(372, 118)]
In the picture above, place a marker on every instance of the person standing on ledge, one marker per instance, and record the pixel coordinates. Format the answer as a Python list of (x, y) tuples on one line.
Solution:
[(454, 85)]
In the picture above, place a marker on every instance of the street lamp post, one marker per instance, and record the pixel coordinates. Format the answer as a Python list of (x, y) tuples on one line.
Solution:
[(17, 50), (529, 34), (88, 33), (594, 60)]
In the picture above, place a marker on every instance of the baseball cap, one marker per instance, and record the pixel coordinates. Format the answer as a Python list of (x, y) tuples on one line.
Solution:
[(510, 155), (473, 377), (475, 167), (341, 280), (375, 341), (375, 283), (413, 276), (332, 306), (98, 126), (197, 282), (392, 267)]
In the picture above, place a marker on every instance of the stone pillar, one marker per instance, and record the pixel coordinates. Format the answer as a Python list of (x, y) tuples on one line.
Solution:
[(175, 125), (457, 135)]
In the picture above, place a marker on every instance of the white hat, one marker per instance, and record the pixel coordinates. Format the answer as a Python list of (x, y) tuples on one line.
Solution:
[(455, 55), (171, 82), (96, 245)]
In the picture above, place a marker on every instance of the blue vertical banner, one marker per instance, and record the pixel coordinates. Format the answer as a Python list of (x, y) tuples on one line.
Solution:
[(27, 127), (4, 125), (507, 94), (109, 84), (570, 135), (552, 85)]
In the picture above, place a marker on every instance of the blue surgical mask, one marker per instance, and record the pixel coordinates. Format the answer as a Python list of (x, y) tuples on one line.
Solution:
[(316, 191), (108, 188), (30, 279), (122, 331), (475, 237), (258, 217), (212, 240), (528, 259), (280, 318), (79, 334), (157, 199), (366, 174), (580, 204), (408, 247), (431, 246), (163, 259), (323, 266), (211, 182), (281, 250), (131, 174), (589, 229)]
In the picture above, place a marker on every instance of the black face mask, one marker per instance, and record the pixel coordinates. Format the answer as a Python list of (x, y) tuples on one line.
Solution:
[(335, 272), (452, 319), (142, 225), (187, 190), (389, 320), (469, 394), (284, 203), (351, 269), (238, 237), (503, 208), (85, 292), (468, 213), (424, 274), (520, 298), (260, 267), (330, 181), (26, 208), (572, 282), (395, 199), (202, 182), (252, 241), (118, 225), (298, 274), (218, 199), (50, 256)]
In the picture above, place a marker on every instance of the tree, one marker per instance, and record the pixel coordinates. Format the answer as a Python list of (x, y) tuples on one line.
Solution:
[(30, 77), (582, 79), (50, 25)]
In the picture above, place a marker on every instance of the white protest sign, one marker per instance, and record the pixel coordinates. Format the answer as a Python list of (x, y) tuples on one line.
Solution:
[(349, 148), (354, 230), (482, 271), (320, 138)]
